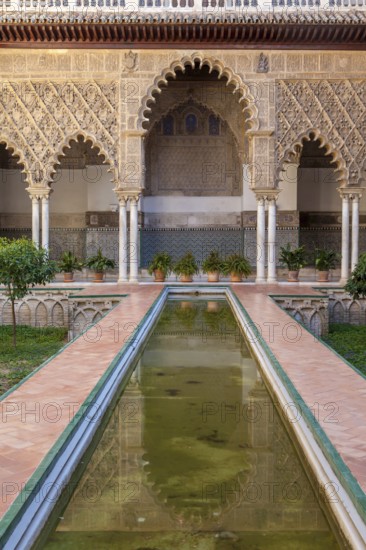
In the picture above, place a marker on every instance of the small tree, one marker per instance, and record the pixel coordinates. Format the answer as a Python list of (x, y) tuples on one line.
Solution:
[(356, 284), (23, 265)]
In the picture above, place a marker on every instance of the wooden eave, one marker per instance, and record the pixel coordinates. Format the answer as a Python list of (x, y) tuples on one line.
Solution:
[(167, 34)]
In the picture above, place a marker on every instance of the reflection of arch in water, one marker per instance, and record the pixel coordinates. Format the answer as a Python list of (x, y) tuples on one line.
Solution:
[(185, 477)]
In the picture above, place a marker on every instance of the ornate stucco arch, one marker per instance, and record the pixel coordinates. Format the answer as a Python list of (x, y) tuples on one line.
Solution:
[(17, 151), (55, 159), (292, 154), (249, 109)]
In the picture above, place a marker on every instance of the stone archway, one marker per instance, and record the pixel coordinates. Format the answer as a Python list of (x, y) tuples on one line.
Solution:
[(83, 207), (194, 179), (245, 96), (15, 210), (292, 154), (320, 229), (66, 144)]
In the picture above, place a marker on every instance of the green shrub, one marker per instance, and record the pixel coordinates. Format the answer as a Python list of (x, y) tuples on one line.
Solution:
[(356, 284)]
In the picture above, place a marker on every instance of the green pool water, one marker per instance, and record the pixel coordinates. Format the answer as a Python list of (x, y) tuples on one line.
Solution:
[(195, 455)]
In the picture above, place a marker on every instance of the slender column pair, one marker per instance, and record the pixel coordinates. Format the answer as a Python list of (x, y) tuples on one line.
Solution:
[(271, 197), (348, 194), (128, 253), (38, 196)]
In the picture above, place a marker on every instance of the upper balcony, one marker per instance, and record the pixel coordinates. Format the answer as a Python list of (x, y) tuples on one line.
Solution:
[(198, 8), (249, 24)]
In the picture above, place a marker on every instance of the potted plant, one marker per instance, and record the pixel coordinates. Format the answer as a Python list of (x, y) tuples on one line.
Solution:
[(212, 265), (294, 260), (325, 260), (161, 265), (237, 266), (186, 267), (99, 264), (68, 264)]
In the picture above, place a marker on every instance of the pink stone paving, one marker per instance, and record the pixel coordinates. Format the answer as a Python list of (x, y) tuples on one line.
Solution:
[(35, 415), (327, 385)]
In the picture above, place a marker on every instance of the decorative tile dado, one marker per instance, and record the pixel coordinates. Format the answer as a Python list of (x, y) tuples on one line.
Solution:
[(284, 219)]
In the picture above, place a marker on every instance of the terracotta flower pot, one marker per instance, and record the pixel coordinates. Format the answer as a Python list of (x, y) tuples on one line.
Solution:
[(98, 277), (186, 278), (293, 276), (212, 307), (186, 305), (322, 276), (236, 278), (68, 277), (213, 276), (159, 276)]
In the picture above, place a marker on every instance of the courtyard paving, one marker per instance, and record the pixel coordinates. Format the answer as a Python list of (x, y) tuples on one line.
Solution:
[(34, 415)]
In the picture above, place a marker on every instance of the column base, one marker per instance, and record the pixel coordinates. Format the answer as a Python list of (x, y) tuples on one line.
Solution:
[(260, 281), (122, 280), (133, 281), (343, 281), (272, 280)]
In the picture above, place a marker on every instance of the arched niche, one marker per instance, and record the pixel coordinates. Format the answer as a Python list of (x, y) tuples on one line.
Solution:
[(15, 209), (81, 185), (195, 148), (191, 151)]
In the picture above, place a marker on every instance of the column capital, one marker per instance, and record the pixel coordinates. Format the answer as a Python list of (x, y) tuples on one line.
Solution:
[(121, 196), (128, 193), (266, 194), (39, 192), (350, 192), (134, 198)]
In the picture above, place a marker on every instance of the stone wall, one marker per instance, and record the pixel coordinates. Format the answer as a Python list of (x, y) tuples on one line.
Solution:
[(316, 312), (57, 308), (40, 308), (88, 310), (311, 311), (342, 309)]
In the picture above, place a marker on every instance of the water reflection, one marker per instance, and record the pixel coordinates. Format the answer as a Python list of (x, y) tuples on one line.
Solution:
[(195, 455)]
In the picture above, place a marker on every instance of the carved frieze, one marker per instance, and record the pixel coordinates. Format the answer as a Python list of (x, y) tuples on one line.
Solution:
[(334, 109), (39, 118)]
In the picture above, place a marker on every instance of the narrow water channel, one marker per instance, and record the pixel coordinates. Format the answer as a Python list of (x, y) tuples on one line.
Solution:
[(195, 455)]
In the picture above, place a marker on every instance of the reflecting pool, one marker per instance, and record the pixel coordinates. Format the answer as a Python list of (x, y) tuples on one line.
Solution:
[(195, 455)]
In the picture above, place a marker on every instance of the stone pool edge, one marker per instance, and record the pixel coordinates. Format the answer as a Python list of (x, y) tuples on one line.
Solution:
[(22, 523), (349, 509)]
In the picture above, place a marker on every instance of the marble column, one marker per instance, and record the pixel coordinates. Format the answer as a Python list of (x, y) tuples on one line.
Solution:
[(35, 219), (271, 278), (134, 234), (355, 229), (122, 276), (261, 237), (45, 221), (345, 238)]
